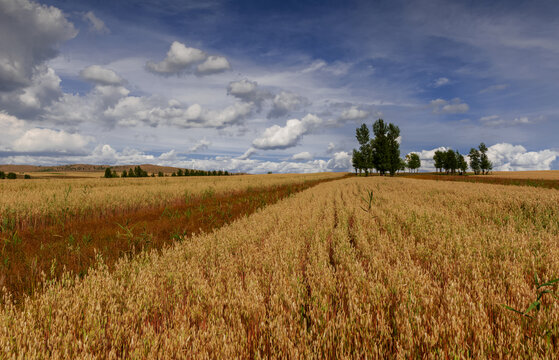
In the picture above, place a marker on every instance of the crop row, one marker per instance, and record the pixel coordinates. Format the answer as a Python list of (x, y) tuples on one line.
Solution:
[(361, 267)]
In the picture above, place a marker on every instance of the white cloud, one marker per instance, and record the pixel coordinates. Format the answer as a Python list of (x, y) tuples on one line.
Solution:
[(495, 120), (95, 24), (181, 59), (340, 161), (133, 111), (454, 106), (354, 113), (504, 156), (302, 156), (19, 138), (47, 140), (284, 102), (493, 88), (441, 82), (43, 90), (277, 137), (508, 157), (99, 75), (200, 145), (248, 91), (213, 64), (247, 154), (171, 155), (30, 34)]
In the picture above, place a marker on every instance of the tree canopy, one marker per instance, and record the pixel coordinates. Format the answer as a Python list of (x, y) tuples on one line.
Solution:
[(382, 152)]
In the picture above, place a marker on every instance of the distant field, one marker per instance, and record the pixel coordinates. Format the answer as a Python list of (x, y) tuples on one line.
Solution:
[(542, 174), (421, 271), (40, 201)]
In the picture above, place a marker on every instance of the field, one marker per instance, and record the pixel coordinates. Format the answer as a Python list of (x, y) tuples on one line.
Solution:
[(541, 175), (358, 267)]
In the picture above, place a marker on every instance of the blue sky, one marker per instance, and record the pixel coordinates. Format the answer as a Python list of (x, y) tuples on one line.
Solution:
[(259, 86)]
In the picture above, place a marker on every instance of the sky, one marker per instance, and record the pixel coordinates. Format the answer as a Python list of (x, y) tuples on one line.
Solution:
[(281, 86)]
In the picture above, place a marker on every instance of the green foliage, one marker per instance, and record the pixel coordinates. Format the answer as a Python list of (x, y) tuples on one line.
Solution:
[(160, 174), (541, 290), (413, 162), (368, 201), (382, 152), (27, 176), (11, 175), (109, 173), (450, 161), (2, 175), (475, 162), (485, 164)]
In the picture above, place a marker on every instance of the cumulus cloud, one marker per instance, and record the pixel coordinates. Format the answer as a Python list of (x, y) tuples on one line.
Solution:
[(248, 91), (47, 140), (504, 156), (200, 145), (30, 34), (181, 59), (341, 161), (247, 154), (100, 75), (29, 101), (454, 106), (212, 65), (441, 82), (134, 110), (354, 113), (508, 157), (95, 24), (496, 120), (493, 88), (283, 137), (331, 147), (284, 102), (19, 138), (302, 156)]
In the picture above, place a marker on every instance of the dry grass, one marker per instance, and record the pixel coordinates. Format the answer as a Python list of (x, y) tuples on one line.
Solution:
[(52, 201), (542, 174), (421, 274)]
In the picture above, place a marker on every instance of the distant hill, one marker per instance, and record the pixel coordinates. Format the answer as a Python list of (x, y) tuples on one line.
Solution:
[(85, 168)]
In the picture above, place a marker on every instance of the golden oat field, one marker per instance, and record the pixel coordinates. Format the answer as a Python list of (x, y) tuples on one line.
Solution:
[(539, 175), (358, 267)]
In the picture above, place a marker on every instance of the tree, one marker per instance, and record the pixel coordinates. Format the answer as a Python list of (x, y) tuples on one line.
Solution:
[(485, 164), (124, 174), (11, 175), (160, 174), (179, 172), (475, 160), (2, 175), (461, 162), (385, 149), (450, 163), (108, 173), (363, 159), (413, 162), (357, 161), (439, 160)]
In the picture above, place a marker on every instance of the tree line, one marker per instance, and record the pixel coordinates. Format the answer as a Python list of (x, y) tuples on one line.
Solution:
[(12, 175), (139, 172), (452, 161)]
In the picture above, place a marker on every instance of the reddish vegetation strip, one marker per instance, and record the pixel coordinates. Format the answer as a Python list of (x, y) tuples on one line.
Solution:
[(549, 184), (26, 254)]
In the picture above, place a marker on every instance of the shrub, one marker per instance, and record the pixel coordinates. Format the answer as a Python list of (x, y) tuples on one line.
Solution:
[(27, 176), (12, 175), (2, 175)]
